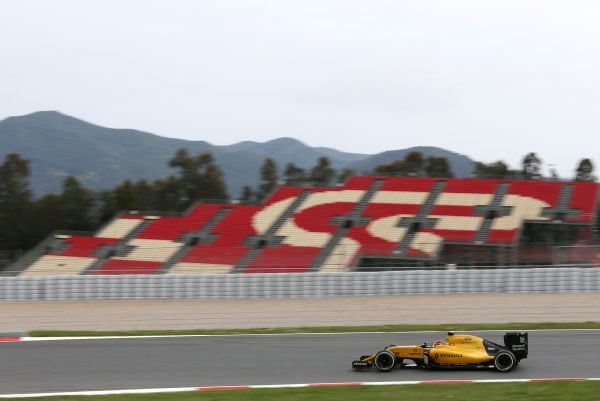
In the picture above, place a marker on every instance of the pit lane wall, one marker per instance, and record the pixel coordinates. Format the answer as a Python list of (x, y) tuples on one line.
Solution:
[(306, 285)]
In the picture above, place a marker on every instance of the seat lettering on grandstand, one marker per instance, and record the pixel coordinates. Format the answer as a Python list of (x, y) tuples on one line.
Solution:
[(302, 229), (386, 228), (294, 232)]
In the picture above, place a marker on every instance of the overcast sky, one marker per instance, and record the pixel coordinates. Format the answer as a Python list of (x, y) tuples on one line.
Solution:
[(490, 79)]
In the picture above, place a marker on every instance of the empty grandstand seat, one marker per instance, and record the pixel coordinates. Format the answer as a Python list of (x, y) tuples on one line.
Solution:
[(301, 229)]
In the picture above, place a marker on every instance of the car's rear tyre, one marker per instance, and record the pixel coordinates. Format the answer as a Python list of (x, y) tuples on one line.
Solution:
[(505, 361), (385, 361)]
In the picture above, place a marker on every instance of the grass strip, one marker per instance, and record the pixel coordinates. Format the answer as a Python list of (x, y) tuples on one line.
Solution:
[(323, 329), (546, 391)]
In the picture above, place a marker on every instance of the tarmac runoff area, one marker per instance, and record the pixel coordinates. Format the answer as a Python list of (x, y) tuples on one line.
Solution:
[(248, 360), (23, 316)]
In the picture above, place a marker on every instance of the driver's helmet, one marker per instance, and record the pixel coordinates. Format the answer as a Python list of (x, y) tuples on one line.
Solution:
[(439, 342)]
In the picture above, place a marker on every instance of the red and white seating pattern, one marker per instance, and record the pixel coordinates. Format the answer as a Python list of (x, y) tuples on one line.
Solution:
[(154, 243)]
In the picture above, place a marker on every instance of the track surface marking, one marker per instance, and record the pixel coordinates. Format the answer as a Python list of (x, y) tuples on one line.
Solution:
[(106, 364)]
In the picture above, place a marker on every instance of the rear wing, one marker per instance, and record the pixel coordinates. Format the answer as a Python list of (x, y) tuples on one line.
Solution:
[(518, 343)]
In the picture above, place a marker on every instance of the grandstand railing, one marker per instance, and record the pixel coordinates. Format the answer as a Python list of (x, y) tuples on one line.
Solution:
[(8, 257), (306, 285), (565, 253)]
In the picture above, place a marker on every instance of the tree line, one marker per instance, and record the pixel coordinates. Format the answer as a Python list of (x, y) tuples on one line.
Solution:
[(25, 220), (414, 164), (321, 175), (531, 169)]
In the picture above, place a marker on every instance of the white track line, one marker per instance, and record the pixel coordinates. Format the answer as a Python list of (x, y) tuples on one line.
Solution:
[(267, 334), (344, 384)]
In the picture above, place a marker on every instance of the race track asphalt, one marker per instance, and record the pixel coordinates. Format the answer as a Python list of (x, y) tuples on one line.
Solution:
[(102, 364)]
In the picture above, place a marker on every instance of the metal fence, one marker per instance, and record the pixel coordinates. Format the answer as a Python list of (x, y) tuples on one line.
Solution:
[(305, 285)]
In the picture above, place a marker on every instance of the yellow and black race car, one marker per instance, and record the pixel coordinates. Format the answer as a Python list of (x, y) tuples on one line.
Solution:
[(458, 351)]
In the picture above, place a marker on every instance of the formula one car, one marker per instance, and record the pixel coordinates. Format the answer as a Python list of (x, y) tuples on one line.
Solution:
[(459, 351)]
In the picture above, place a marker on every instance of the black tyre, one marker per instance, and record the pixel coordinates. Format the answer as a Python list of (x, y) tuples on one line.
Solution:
[(385, 361), (505, 361)]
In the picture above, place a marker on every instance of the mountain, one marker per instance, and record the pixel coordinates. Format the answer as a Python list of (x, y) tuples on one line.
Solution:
[(58, 145), (290, 150)]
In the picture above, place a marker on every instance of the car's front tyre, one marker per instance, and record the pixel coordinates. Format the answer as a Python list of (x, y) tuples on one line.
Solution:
[(385, 361), (505, 361)]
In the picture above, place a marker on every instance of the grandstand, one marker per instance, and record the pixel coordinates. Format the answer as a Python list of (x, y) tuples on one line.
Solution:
[(370, 221)]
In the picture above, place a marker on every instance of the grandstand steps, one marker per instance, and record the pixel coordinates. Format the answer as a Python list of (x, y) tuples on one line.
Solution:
[(562, 211), (323, 261), (118, 228), (189, 240), (51, 244), (419, 221), (491, 212), (269, 238)]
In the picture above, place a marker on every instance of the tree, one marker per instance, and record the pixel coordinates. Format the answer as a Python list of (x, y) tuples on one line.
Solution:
[(77, 204), (344, 175), (16, 207), (437, 167), (294, 175), (322, 173), (213, 185), (248, 194), (414, 163), (49, 215), (126, 196), (140, 196), (122, 197), (168, 196), (199, 178), (394, 168), (145, 195), (532, 166), (14, 178), (497, 169), (189, 178), (585, 171), (268, 178)]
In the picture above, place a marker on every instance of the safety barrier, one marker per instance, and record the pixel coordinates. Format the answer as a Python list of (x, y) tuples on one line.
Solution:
[(306, 285)]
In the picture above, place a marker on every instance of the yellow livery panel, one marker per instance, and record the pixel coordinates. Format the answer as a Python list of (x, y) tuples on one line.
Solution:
[(407, 352), (458, 355)]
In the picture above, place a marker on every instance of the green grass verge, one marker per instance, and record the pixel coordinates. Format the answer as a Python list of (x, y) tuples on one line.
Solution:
[(554, 391), (325, 329)]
